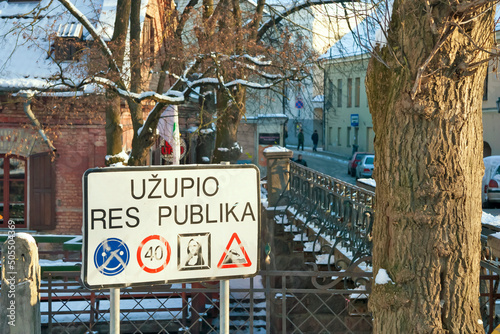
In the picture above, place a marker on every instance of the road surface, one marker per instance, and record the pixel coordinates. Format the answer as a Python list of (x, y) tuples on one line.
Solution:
[(325, 163), (336, 166)]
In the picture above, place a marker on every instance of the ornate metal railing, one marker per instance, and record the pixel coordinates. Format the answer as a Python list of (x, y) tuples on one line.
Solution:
[(272, 302), (339, 214)]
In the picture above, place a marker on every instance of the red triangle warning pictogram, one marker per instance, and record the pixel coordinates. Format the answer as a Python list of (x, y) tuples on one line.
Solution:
[(234, 258)]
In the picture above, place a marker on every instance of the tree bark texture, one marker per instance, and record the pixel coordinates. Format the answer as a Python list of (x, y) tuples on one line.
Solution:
[(206, 137), (140, 147), (229, 114), (426, 108), (113, 112), (113, 129)]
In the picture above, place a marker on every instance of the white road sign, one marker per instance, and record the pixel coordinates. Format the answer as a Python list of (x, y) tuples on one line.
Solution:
[(144, 225)]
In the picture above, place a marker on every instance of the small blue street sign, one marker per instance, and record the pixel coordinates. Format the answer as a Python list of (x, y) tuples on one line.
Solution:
[(354, 119), (299, 104), (111, 256)]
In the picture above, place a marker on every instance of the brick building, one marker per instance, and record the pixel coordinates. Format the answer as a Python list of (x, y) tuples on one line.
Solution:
[(49, 139)]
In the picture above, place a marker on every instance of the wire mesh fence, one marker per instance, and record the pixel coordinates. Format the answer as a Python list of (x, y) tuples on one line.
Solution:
[(272, 302)]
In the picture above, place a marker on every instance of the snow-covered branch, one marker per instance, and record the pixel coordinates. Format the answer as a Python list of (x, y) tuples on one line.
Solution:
[(257, 60), (170, 97)]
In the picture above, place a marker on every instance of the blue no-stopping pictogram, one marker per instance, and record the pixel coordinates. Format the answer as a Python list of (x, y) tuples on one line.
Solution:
[(299, 104), (111, 256)]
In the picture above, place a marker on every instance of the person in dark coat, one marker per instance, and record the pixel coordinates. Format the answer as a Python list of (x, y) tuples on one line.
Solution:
[(315, 139), (301, 161), (300, 137)]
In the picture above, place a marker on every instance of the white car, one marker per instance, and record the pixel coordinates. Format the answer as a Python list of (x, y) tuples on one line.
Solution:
[(490, 189), (364, 169)]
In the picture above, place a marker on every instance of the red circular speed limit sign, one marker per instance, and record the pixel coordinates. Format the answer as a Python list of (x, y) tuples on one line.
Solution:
[(153, 254)]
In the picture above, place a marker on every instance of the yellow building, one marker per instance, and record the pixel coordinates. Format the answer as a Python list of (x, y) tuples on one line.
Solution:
[(347, 119)]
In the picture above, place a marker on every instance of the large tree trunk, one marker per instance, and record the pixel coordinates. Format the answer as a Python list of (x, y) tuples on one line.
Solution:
[(206, 136), (139, 155), (140, 147), (113, 111), (428, 169), (229, 114), (113, 129)]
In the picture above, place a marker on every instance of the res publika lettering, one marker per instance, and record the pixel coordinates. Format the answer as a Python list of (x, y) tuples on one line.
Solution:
[(162, 188)]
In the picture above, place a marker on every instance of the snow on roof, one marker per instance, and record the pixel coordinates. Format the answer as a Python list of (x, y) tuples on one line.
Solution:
[(26, 41), (360, 40), (318, 98), (369, 32), (272, 116), (25, 47)]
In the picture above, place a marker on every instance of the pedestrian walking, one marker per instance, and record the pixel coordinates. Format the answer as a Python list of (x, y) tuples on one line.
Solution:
[(300, 137), (315, 139), (301, 161)]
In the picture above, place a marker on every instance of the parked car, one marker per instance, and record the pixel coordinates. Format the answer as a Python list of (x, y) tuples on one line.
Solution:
[(356, 158), (364, 169), (491, 181)]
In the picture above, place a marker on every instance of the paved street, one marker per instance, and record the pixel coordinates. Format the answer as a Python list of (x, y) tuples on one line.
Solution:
[(337, 167), (326, 163)]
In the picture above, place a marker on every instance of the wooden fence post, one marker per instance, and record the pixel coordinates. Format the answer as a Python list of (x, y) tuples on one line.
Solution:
[(20, 300)]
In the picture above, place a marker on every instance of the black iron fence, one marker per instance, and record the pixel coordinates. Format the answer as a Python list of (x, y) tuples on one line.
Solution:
[(339, 217), (338, 214), (272, 302)]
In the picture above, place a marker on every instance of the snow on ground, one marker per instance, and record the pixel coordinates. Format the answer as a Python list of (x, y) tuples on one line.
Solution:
[(323, 259), (490, 219), (370, 182)]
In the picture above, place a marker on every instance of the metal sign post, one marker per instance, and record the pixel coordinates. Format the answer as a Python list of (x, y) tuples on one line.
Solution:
[(224, 298), (224, 307), (114, 311)]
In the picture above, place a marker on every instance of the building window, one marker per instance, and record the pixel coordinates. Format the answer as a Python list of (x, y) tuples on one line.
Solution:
[(339, 134), (68, 42), (67, 49), (356, 135), (485, 88), (148, 46), (329, 94), (349, 92), (339, 93), (357, 84), (348, 136), (13, 190)]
